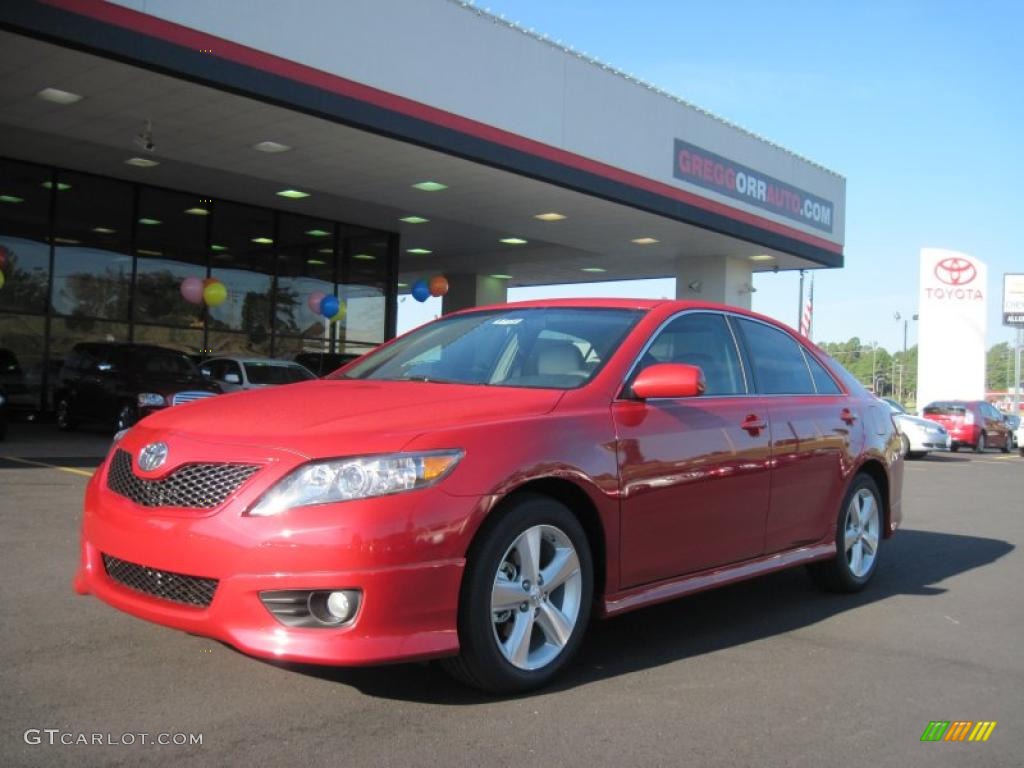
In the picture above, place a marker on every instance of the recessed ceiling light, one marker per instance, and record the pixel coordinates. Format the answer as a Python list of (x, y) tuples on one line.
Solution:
[(149, 222), (414, 220), (418, 251), (316, 262), (403, 285), (292, 194), (57, 96), (512, 241), (61, 186), (142, 162), (104, 230), (430, 186), (645, 240), (144, 252), (364, 256), (325, 250), (11, 199), (218, 248), (271, 147), (263, 241), (197, 211), (502, 277), (317, 232), (552, 216), (593, 269), (762, 257)]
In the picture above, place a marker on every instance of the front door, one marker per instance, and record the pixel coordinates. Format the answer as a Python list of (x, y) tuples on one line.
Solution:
[(694, 472)]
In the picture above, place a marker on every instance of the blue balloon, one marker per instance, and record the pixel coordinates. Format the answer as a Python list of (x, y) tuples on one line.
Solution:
[(329, 306), (420, 290)]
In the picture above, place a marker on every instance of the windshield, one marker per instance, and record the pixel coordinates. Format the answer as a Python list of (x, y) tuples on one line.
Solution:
[(548, 347), (276, 373)]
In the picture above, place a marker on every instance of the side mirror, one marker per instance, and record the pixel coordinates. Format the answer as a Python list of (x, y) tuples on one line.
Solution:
[(669, 380), (232, 378), (206, 372)]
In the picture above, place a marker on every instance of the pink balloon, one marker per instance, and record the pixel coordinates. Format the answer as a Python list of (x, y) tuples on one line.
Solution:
[(313, 302), (192, 290)]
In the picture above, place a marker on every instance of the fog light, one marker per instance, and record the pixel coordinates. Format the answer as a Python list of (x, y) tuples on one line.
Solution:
[(337, 607)]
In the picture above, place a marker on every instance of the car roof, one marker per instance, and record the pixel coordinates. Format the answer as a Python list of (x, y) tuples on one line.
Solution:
[(245, 359)]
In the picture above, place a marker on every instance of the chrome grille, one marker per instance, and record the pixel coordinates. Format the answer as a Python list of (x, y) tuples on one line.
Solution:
[(196, 486), (167, 585), (187, 397)]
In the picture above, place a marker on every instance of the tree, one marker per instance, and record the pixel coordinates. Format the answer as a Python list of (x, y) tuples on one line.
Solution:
[(999, 367)]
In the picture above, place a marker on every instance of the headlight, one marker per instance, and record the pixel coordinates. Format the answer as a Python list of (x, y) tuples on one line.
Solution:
[(323, 482), (150, 399)]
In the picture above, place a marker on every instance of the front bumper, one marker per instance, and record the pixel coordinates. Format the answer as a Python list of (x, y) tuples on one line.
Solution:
[(403, 552)]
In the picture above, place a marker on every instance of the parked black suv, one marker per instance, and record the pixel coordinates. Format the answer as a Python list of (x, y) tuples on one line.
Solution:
[(118, 384)]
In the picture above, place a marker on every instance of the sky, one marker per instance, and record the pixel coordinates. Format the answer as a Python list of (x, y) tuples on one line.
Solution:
[(920, 105)]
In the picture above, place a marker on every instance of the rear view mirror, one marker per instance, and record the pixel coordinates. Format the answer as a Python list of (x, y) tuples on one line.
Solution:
[(669, 380)]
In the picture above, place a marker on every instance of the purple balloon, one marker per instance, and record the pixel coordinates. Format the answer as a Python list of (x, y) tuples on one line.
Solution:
[(192, 290), (313, 302)]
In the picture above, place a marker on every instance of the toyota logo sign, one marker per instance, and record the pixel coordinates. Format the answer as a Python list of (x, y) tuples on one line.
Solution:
[(955, 271), (153, 456)]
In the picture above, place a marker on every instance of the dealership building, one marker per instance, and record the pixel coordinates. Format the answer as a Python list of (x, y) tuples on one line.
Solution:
[(352, 149)]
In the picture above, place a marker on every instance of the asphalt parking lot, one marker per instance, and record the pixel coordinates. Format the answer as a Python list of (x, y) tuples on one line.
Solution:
[(768, 673)]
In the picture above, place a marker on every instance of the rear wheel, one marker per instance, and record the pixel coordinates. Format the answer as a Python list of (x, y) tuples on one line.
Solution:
[(979, 447), (1006, 443), (858, 537), (525, 599), (65, 422)]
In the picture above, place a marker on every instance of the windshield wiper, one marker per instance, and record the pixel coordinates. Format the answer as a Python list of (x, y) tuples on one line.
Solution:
[(430, 379)]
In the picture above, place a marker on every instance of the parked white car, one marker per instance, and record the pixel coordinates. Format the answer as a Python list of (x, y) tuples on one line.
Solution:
[(235, 374), (919, 435)]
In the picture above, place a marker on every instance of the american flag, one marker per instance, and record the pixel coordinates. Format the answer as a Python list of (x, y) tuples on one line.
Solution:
[(807, 319)]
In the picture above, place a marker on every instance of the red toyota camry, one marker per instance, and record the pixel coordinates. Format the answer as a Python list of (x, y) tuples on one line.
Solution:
[(475, 489)]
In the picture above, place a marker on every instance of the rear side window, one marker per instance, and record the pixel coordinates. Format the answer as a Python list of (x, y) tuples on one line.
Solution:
[(777, 360), (702, 339), (944, 409), (823, 383)]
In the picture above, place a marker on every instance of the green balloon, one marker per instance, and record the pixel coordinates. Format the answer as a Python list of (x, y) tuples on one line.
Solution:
[(214, 294)]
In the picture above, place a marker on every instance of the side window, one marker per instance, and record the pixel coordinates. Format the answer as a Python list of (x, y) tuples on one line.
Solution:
[(702, 339), (777, 359), (823, 383)]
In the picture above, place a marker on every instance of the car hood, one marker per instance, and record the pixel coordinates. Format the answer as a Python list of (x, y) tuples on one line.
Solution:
[(908, 420), (338, 417)]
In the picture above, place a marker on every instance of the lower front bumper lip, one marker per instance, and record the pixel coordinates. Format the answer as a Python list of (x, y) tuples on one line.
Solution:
[(393, 624)]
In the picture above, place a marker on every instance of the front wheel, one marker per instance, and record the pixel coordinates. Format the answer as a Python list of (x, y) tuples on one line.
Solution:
[(525, 599), (858, 536)]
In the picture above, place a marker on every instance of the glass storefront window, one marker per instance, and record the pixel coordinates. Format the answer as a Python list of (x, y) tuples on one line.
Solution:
[(364, 290), (24, 234), (171, 246), (306, 264), (92, 272), (242, 257)]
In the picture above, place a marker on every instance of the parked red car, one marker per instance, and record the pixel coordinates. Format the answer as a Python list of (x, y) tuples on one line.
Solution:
[(971, 423), (473, 489)]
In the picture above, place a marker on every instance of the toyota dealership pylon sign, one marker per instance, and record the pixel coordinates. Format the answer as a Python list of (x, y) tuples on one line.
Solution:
[(951, 332)]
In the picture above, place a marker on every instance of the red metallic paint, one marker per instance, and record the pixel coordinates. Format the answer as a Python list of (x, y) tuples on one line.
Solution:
[(669, 380), (683, 495)]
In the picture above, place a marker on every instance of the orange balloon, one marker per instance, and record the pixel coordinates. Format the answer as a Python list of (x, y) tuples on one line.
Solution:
[(438, 285)]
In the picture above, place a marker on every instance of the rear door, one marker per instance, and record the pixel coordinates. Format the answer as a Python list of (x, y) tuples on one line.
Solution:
[(817, 431)]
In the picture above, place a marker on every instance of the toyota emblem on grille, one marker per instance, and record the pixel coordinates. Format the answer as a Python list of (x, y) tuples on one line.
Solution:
[(955, 271), (153, 456)]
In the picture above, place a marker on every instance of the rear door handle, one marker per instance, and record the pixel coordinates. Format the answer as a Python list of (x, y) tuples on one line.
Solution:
[(848, 416), (753, 424)]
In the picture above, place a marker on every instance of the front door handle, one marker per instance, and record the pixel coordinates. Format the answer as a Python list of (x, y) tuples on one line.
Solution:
[(753, 424), (848, 416)]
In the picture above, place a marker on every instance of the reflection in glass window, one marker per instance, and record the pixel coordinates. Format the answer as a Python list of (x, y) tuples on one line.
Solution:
[(24, 232), (92, 258), (170, 248), (243, 259), (305, 266)]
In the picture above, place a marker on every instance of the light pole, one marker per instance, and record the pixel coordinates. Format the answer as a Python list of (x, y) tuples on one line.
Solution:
[(897, 316)]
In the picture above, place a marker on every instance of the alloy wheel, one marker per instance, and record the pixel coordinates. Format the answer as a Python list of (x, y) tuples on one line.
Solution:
[(536, 597), (860, 539)]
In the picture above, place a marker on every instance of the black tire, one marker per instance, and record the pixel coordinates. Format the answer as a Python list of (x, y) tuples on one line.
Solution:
[(954, 448), (835, 575), (916, 454), (979, 447), (905, 441), (126, 417), (481, 664), (65, 423), (1006, 444)]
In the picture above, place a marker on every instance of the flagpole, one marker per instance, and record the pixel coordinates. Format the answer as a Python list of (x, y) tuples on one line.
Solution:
[(800, 303), (810, 315)]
